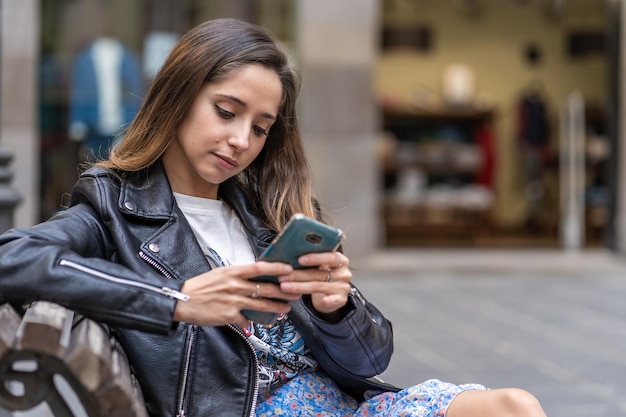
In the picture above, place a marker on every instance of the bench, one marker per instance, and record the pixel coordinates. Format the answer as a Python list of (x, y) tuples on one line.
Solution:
[(52, 357)]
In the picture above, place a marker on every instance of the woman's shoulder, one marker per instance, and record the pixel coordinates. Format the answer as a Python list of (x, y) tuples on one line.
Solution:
[(93, 183)]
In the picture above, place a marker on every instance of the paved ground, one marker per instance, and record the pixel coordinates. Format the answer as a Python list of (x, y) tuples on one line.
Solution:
[(553, 323)]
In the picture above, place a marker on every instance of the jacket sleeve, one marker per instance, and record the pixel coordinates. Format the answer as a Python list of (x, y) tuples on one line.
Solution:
[(68, 260), (360, 344)]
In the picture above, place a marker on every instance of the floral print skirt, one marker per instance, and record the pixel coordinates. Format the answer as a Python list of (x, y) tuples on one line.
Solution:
[(312, 393)]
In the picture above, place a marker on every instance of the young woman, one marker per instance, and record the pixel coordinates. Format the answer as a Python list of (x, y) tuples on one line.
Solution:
[(160, 242)]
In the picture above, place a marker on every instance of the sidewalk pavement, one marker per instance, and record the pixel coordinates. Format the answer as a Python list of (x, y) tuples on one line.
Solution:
[(551, 322)]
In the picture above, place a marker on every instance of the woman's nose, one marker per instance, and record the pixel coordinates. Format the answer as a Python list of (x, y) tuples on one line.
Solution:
[(240, 138)]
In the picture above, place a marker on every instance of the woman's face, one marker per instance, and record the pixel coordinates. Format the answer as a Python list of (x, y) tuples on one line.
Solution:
[(224, 131)]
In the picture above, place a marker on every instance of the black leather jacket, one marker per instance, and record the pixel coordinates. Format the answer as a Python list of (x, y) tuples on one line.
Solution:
[(120, 253)]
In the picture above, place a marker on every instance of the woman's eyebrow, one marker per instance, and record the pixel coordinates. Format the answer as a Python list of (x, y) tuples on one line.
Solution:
[(244, 104)]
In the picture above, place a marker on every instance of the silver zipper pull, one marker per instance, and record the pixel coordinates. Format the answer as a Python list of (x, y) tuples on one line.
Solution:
[(356, 294), (172, 293)]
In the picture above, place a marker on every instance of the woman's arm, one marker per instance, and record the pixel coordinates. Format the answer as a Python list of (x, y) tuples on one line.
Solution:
[(66, 260)]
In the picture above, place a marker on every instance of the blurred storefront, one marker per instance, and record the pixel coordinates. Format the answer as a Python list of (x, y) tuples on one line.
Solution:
[(477, 100), (428, 122)]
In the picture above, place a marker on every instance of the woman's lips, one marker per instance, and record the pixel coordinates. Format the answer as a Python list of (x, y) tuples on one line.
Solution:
[(226, 162)]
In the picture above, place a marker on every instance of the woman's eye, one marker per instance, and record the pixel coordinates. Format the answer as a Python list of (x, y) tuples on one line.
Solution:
[(259, 131), (225, 114)]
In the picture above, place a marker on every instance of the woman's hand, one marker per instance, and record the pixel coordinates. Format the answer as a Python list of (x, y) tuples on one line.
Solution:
[(218, 296), (327, 279)]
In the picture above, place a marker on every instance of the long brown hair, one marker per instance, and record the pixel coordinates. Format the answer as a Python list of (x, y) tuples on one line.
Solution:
[(278, 180)]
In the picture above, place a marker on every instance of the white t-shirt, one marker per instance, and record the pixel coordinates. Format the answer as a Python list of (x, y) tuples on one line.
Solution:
[(217, 228)]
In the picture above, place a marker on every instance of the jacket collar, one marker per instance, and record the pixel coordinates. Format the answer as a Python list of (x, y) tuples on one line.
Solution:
[(147, 194)]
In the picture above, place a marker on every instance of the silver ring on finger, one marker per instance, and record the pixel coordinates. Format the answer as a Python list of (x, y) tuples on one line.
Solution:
[(255, 294), (329, 277)]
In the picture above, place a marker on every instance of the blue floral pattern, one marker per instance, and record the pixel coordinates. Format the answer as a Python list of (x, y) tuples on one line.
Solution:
[(313, 394)]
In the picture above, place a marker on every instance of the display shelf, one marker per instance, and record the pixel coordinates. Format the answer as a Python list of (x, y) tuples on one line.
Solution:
[(432, 175)]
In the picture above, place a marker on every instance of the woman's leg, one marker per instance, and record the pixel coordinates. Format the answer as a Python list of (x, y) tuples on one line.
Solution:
[(506, 402)]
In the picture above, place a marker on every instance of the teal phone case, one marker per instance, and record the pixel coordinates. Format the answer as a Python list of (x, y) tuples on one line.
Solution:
[(300, 236)]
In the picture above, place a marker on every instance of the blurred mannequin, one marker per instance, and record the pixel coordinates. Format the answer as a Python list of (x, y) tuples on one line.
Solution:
[(105, 95)]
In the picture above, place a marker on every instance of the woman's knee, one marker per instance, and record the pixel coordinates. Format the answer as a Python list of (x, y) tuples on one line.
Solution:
[(517, 402), (504, 402)]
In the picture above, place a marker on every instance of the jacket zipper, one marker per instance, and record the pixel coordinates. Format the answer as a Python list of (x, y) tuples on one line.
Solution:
[(183, 388), (190, 340), (256, 367), (168, 292), (155, 265)]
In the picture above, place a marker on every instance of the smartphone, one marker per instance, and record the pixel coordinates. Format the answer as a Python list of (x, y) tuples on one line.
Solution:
[(301, 235)]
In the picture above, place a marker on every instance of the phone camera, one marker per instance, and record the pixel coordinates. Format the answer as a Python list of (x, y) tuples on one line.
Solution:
[(313, 238)]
